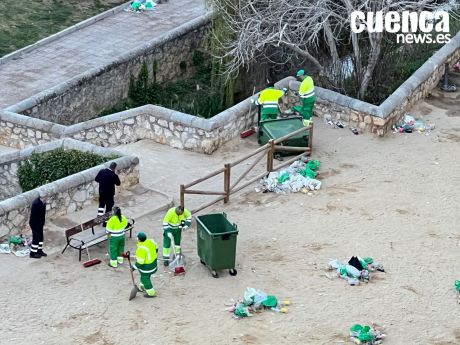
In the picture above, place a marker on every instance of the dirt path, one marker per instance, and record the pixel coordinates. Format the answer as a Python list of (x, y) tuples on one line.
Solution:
[(395, 199)]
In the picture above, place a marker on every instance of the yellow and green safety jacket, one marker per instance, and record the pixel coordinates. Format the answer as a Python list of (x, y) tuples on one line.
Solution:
[(146, 256), (307, 88), (269, 98), (116, 228), (172, 220)]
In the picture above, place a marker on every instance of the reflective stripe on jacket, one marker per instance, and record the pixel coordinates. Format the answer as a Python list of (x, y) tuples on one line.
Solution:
[(115, 227)]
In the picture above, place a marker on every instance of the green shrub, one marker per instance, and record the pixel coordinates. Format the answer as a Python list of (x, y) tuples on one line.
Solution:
[(46, 167)]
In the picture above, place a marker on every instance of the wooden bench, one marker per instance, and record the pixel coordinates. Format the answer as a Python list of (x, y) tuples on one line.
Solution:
[(83, 236)]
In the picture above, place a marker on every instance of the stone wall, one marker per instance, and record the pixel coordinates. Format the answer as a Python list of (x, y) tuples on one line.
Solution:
[(65, 195), (166, 126), (87, 95), (9, 184), (21, 131)]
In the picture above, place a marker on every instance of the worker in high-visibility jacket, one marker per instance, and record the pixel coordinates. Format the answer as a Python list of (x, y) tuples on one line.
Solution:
[(116, 233), (146, 263), (268, 100), (175, 220), (307, 97)]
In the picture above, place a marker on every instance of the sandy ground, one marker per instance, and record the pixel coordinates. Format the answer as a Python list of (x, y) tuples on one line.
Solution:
[(395, 199)]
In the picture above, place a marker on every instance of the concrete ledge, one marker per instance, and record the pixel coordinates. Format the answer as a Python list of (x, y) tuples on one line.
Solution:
[(17, 54)]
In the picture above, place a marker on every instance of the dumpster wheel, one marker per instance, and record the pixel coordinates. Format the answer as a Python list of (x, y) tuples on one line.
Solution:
[(233, 272), (214, 274)]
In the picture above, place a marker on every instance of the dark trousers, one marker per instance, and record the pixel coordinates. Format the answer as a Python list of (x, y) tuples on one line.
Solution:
[(105, 204), (37, 239)]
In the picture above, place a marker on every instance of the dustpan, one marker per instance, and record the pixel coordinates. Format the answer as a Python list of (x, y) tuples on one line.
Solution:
[(177, 266)]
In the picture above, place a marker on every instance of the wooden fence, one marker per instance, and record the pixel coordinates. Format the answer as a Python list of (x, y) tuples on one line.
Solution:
[(268, 150)]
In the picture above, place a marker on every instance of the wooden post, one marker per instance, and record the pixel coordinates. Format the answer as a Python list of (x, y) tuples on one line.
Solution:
[(227, 182), (270, 154), (182, 195)]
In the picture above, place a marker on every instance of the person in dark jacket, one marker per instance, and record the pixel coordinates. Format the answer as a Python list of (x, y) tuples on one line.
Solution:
[(37, 222), (107, 179)]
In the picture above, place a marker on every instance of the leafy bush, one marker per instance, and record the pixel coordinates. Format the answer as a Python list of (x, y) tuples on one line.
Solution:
[(46, 167)]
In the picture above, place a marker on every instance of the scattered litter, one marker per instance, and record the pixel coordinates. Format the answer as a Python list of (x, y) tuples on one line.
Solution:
[(354, 130), (5, 248), (17, 245), (456, 66), (298, 177), (409, 124), (140, 6), (256, 301), (357, 270), (371, 335), (457, 285)]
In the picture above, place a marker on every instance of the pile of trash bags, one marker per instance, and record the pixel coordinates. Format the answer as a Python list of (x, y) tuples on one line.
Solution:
[(357, 270), (409, 124), (299, 176), (371, 335), (17, 245), (141, 5), (256, 301)]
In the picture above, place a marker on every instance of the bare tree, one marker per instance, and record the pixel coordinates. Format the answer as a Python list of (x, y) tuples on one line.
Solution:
[(307, 29)]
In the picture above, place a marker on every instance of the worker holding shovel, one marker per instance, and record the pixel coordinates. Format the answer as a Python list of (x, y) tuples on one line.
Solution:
[(116, 233), (146, 263), (176, 219)]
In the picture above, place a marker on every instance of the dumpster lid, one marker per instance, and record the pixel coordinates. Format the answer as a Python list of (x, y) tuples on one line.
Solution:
[(280, 127)]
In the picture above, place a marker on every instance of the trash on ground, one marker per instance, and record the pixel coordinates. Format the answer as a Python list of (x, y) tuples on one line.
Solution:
[(457, 285), (140, 6), (409, 124), (371, 335), (17, 245), (255, 301), (357, 270), (298, 177)]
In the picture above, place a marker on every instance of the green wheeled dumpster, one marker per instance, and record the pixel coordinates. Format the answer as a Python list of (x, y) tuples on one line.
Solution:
[(216, 242), (277, 128)]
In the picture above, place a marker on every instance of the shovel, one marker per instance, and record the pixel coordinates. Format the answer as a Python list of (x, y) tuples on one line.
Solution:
[(133, 292)]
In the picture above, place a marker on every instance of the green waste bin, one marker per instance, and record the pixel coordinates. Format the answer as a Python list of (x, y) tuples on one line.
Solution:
[(216, 242), (274, 129)]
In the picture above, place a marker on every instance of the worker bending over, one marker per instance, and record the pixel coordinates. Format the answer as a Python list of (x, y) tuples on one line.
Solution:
[(268, 100), (176, 219), (146, 263), (307, 97)]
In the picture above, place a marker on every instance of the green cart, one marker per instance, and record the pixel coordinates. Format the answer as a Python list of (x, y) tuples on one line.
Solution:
[(216, 242), (274, 129)]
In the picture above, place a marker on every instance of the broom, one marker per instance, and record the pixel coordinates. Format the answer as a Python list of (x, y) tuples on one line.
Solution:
[(252, 130), (91, 262)]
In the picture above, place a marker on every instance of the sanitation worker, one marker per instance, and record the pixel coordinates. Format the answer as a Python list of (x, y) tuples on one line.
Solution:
[(146, 263), (176, 219), (268, 100), (116, 233), (107, 179), (36, 223), (307, 97)]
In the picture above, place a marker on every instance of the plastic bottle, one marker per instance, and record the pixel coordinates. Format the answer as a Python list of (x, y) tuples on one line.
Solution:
[(282, 310)]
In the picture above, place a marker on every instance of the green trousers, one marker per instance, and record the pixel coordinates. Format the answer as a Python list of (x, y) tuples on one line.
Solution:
[(269, 114), (176, 233), (146, 272), (117, 246), (306, 107)]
